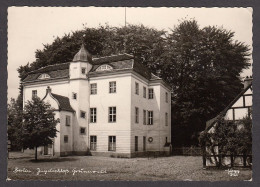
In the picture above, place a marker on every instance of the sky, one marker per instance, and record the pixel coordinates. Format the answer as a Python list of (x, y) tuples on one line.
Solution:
[(31, 27)]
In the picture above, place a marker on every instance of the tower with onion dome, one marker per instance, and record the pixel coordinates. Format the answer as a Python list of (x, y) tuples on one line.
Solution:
[(79, 96)]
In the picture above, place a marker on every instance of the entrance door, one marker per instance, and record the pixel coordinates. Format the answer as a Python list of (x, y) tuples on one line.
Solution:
[(47, 149), (144, 143)]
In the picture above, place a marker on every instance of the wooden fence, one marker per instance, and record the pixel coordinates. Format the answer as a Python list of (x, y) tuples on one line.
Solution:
[(187, 151)]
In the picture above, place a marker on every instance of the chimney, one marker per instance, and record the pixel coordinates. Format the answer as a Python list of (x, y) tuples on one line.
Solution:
[(247, 81), (48, 90), (158, 73)]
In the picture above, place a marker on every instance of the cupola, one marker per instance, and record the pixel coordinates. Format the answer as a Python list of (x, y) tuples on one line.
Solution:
[(83, 55)]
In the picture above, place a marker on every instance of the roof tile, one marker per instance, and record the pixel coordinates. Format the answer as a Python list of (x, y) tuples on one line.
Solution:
[(118, 62), (64, 102)]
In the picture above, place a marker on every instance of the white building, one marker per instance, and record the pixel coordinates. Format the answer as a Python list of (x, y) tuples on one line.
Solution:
[(107, 106)]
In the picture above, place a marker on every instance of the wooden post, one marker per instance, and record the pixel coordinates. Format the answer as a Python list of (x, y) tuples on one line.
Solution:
[(244, 159), (219, 160), (204, 158), (231, 161), (35, 153), (8, 148)]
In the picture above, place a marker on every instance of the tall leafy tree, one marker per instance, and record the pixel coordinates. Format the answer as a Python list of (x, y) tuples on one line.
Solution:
[(39, 125), (203, 66), (14, 124)]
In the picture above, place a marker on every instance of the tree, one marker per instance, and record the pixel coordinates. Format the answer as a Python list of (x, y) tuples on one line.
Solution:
[(203, 67), (14, 125), (39, 125)]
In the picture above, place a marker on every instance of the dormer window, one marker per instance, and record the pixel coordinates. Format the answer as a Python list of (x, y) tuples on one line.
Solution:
[(44, 76), (104, 67)]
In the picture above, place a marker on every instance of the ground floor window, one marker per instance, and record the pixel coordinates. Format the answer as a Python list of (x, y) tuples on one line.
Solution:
[(93, 143), (136, 143), (47, 149), (112, 143)]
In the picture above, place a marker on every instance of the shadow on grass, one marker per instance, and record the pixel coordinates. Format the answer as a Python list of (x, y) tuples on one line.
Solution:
[(228, 167), (53, 160)]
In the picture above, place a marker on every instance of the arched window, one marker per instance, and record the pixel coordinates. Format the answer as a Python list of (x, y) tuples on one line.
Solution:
[(44, 76), (104, 67)]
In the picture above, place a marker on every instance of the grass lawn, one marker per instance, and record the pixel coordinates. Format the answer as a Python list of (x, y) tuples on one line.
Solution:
[(178, 168)]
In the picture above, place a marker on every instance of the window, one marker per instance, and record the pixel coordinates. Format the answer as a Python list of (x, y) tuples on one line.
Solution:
[(93, 88), (112, 114), (144, 117), (83, 70), (34, 93), (44, 76), (111, 143), (112, 87), (104, 67), (166, 141), (93, 115), (67, 120), (66, 138), (74, 95), (136, 143), (93, 143), (137, 88), (166, 97), (166, 119), (82, 130), (136, 115), (82, 114), (144, 143), (144, 92), (150, 117), (150, 93)]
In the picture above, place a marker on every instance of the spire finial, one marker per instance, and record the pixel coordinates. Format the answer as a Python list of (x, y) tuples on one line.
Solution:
[(83, 55)]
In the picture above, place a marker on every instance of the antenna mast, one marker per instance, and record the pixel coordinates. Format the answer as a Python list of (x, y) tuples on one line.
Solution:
[(125, 16), (125, 34)]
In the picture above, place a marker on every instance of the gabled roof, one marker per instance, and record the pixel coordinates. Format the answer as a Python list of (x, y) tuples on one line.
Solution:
[(142, 70), (64, 102), (210, 123)]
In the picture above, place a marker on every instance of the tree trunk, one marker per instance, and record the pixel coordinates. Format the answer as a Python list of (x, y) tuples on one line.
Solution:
[(232, 161), (219, 160), (244, 159), (36, 153), (204, 159)]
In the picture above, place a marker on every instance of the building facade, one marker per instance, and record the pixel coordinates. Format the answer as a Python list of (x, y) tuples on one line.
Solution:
[(107, 106), (238, 109)]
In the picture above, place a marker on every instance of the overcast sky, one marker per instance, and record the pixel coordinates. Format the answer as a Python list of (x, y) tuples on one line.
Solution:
[(31, 27)]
